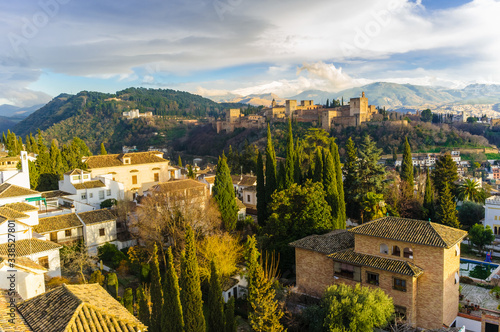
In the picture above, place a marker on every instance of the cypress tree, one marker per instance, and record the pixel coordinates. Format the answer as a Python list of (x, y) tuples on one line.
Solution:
[(318, 166), (128, 300), (179, 162), (143, 307), (103, 150), (445, 172), (229, 316), (192, 304), (112, 284), (156, 293), (350, 172), (19, 146), (224, 194), (56, 163), (28, 144), (261, 192), (297, 168), (448, 209), (271, 178), (290, 154), (330, 186), (34, 146), (428, 197), (407, 165), (281, 176), (215, 302), (4, 139), (173, 319), (394, 155), (334, 150)]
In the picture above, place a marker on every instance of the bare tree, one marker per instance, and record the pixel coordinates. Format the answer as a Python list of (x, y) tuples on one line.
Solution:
[(75, 259)]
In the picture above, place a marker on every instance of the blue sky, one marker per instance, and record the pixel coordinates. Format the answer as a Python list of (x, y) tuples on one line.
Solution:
[(224, 47)]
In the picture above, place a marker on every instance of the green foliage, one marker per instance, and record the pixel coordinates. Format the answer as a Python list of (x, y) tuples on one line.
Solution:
[(110, 255), (143, 306), (470, 190), (447, 214), (224, 195), (230, 325), (481, 236), (215, 302), (350, 171), (179, 162), (373, 206), (271, 176), (356, 309), (190, 174), (330, 186), (470, 213), (428, 204), (97, 278), (407, 165), (318, 166), (112, 283), (480, 271), (156, 293), (297, 212), (334, 150), (128, 300), (445, 172), (261, 192), (426, 115), (192, 304), (173, 319), (103, 150), (108, 203), (290, 154)]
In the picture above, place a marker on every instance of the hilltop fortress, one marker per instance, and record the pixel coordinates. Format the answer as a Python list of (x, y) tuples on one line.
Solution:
[(353, 114)]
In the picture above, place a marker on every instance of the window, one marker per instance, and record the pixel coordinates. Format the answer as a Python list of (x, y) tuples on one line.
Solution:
[(108, 192), (126, 160), (67, 233), (101, 194), (44, 261), (53, 236), (408, 253), (399, 284), (400, 311), (372, 278), (396, 251), (134, 179), (76, 177), (91, 195), (248, 198), (84, 196), (101, 231), (157, 177), (347, 271), (384, 249), (85, 176)]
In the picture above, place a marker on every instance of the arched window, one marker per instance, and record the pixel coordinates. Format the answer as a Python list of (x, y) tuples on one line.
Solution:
[(384, 249), (396, 251), (408, 253)]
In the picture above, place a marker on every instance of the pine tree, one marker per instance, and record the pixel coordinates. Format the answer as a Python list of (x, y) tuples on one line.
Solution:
[(428, 197), (264, 313), (224, 194), (229, 316), (445, 172), (103, 150), (334, 150), (20, 146), (215, 302), (407, 165), (290, 154), (261, 192), (330, 186), (192, 304), (128, 300), (447, 214), (173, 319), (143, 306), (179, 162), (156, 293), (350, 173), (318, 165), (271, 177), (370, 174)]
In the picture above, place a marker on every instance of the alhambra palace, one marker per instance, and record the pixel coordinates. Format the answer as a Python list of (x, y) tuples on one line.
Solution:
[(355, 113)]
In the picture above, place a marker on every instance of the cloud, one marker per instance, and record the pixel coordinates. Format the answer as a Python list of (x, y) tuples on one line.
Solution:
[(334, 78)]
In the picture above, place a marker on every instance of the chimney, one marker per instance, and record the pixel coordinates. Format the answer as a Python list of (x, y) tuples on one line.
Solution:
[(24, 162)]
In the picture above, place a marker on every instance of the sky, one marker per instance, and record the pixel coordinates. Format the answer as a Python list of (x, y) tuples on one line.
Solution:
[(242, 47)]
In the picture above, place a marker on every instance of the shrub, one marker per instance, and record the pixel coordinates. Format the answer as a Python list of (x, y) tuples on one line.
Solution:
[(110, 255), (466, 280)]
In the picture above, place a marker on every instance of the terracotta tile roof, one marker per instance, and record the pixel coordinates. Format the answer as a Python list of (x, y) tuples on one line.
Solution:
[(10, 213), (54, 193), (20, 324), (23, 262), (210, 179), (245, 180), (78, 308), (96, 216), (76, 171), (381, 263), (111, 160), (89, 184), (240, 204), (22, 207), (327, 243), (412, 231), (23, 247), (57, 223), (228, 284), (11, 190), (251, 188), (175, 185)]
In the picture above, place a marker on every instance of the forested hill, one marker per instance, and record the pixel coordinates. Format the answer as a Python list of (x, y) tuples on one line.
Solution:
[(94, 106)]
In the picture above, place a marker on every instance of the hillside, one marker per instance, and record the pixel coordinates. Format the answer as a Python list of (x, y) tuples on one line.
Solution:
[(97, 117)]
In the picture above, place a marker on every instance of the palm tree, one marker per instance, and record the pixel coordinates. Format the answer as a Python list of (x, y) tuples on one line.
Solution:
[(470, 190)]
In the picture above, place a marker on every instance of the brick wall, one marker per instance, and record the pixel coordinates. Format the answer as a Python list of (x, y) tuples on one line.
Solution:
[(314, 271)]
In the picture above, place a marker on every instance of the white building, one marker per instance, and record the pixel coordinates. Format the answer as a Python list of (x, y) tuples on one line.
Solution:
[(29, 278), (10, 174), (492, 214)]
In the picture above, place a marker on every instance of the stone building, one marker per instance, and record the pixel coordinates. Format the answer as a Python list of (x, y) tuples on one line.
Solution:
[(357, 112), (415, 262), (234, 119)]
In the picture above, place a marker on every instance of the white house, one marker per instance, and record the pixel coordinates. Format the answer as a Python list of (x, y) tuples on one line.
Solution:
[(99, 227), (28, 276), (236, 287), (10, 174), (209, 180), (492, 214), (241, 182), (249, 196)]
